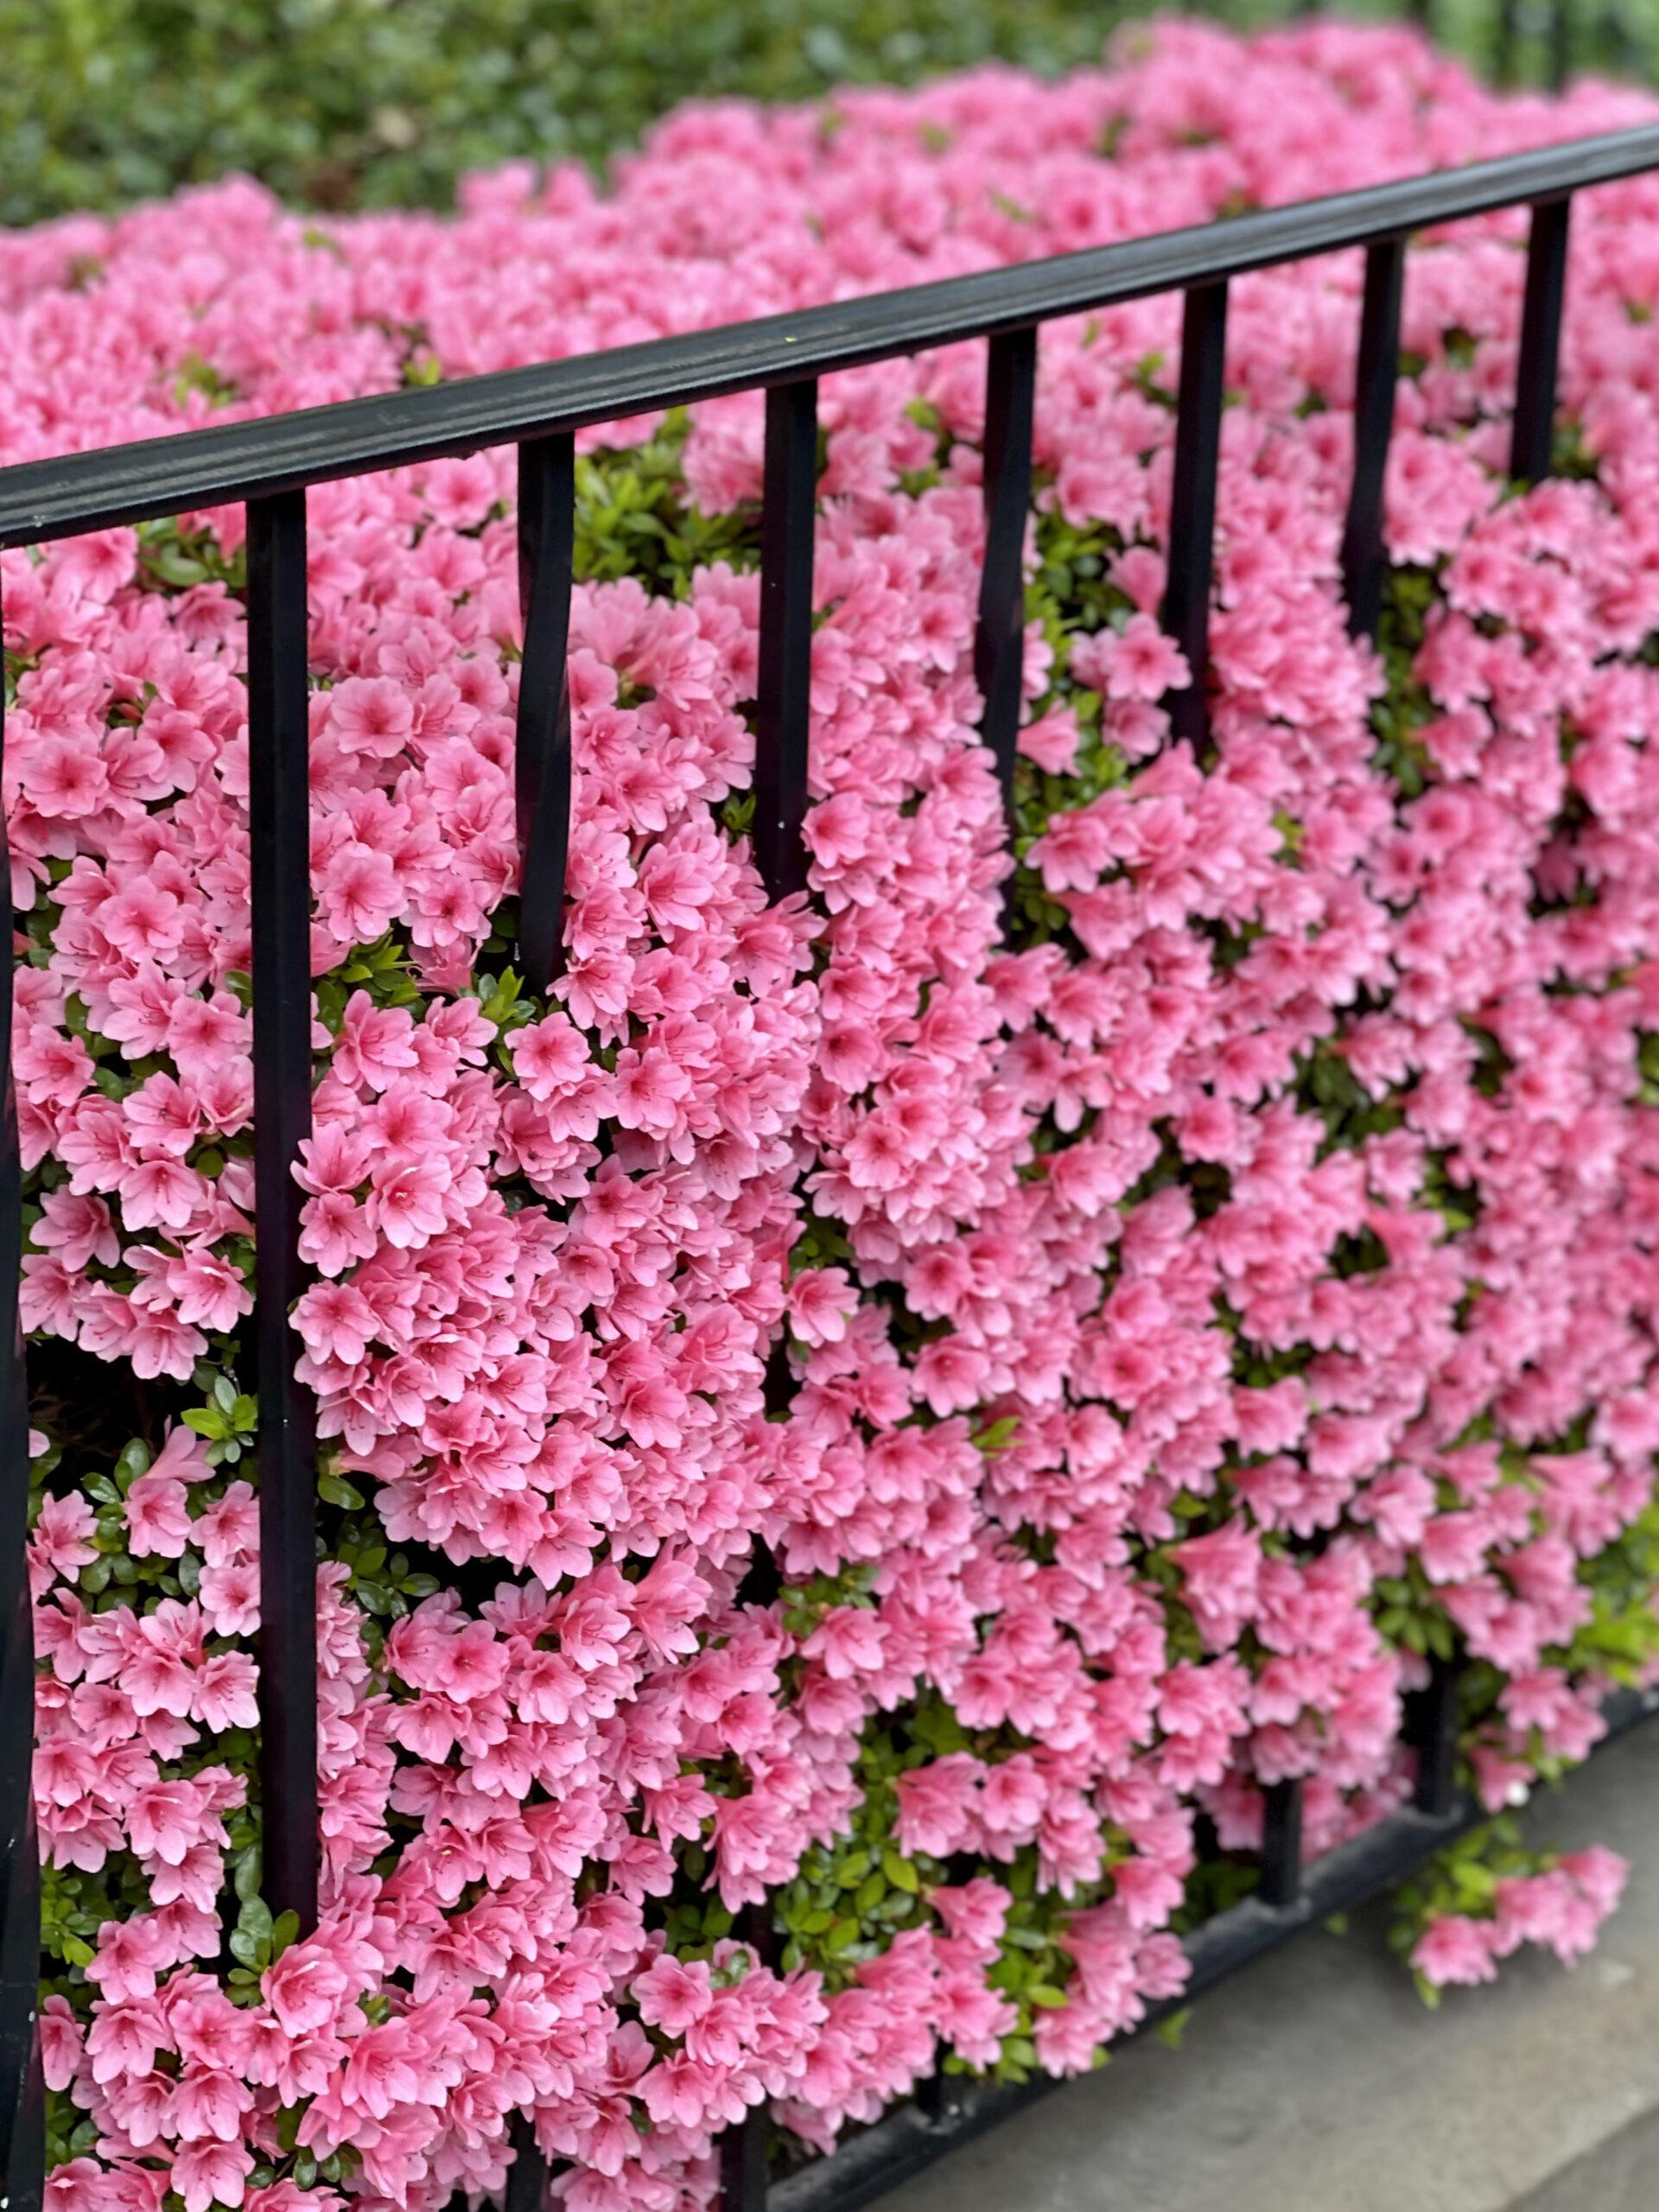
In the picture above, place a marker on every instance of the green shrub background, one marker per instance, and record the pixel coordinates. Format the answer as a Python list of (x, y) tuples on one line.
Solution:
[(348, 103)]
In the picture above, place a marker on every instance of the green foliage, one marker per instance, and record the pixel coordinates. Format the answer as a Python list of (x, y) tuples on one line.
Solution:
[(1462, 1878), (1621, 1637), (337, 103), (1407, 594), (1410, 1616), (384, 970), (227, 1421), (806, 1604), (172, 558), (635, 517), (1070, 594), (853, 1896)]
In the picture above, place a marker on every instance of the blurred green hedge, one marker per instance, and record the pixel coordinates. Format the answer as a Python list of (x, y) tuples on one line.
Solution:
[(341, 103)]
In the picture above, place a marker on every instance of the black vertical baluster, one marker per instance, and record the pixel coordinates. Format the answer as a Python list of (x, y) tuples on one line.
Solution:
[(547, 498), (22, 2136), (1282, 1844), (279, 801), (743, 2163), (1433, 1713), (999, 640), (527, 2175), (938, 2095), (1363, 563), (743, 2148), (1532, 449), (1192, 499), (784, 687)]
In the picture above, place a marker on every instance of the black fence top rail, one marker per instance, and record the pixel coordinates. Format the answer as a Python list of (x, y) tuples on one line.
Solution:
[(161, 477)]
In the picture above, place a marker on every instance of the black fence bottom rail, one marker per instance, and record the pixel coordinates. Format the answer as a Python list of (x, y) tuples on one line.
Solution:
[(955, 2109)]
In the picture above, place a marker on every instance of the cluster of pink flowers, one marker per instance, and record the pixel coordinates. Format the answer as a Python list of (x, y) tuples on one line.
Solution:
[(1193, 1289), (1560, 1909)]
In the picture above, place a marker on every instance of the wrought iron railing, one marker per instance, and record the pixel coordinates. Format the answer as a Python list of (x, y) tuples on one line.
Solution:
[(268, 463)]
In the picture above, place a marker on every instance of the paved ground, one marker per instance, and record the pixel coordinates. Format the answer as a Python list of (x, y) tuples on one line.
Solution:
[(1315, 2081)]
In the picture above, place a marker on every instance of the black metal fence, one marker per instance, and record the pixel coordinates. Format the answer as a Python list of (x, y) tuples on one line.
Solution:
[(268, 463)]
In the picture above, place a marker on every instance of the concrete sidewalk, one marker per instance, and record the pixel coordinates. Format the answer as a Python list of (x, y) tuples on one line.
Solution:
[(1315, 2080)]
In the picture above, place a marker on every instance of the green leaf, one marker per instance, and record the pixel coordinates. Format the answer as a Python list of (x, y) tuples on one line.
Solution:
[(899, 1871), (254, 1919)]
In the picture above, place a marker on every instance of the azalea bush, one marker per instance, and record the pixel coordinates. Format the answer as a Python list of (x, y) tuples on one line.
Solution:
[(857, 1435)]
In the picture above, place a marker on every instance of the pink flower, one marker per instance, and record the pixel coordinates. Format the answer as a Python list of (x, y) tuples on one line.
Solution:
[(1138, 662), (938, 1805), (1219, 1574), (158, 1520), (209, 2173), (406, 1202), (305, 1989), (337, 1322), (358, 894), (62, 1535), (820, 1299), (371, 715), (672, 1996), (229, 1597), (1599, 1873), (1454, 1949)]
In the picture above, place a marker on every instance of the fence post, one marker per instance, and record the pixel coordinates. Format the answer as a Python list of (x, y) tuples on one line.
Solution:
[(1435, 1731), (999, 638), (22, 2115), (784, 687), (1532, 447), (1281, 1845), (1363, 560), (279, 808), (527, 2175), (547, 508), (743, 2163), (1192, 500)]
